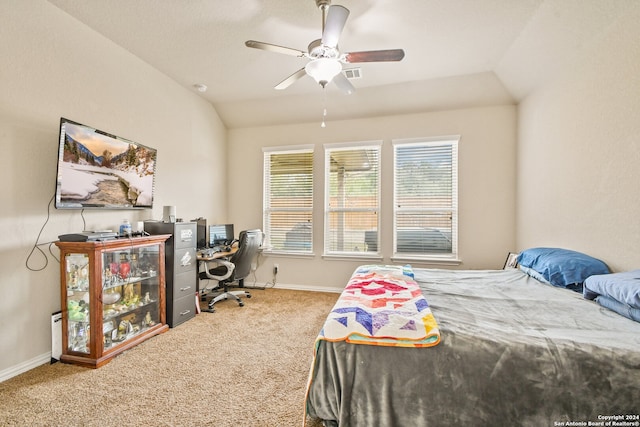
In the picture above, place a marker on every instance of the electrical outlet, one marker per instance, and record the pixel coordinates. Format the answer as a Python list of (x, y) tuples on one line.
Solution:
[(275, 268)]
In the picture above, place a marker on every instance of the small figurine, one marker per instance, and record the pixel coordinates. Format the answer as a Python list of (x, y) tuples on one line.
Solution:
[(107, 277), (128, 293), (147, 320)]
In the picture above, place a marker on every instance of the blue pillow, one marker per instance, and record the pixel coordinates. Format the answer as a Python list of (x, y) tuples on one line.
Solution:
[(620, 308), (562, 267), (623, 287)]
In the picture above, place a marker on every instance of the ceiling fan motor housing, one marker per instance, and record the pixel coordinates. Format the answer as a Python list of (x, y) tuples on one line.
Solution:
[(318, 50)]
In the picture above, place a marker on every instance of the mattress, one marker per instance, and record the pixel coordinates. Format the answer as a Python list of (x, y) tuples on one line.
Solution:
[(513, 351)]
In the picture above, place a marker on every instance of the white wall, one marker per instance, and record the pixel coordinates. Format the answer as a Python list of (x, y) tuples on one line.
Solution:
[(579, 152), (53, 66), (486, 186)]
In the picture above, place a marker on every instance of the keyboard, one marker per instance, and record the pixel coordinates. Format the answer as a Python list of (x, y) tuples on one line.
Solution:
[(208, 252), (205, 253)]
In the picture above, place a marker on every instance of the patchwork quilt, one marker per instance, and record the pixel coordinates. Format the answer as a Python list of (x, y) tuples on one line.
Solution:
[(382, 305)]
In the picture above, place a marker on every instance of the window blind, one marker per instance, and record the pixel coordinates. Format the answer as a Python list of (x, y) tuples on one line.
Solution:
[(352, 198), (425, 197), (288, 200)]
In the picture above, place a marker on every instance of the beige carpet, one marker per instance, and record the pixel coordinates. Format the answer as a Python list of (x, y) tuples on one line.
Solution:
[(241, 366)]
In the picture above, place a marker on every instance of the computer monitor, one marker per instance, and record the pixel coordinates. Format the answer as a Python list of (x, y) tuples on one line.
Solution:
[(221, 234)]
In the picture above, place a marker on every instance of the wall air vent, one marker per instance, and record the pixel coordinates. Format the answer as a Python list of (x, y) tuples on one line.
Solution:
[(353, 73)]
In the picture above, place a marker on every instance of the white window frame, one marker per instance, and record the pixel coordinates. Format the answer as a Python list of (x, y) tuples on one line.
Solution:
[(328, 210), (268, 209), (438, 257)]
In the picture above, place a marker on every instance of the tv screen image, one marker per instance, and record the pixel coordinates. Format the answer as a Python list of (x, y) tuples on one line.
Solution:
[(100, 170)]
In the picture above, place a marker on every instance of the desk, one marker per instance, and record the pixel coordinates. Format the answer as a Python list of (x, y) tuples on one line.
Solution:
[(217, 255)]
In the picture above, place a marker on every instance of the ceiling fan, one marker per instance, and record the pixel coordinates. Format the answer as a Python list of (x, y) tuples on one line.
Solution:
[(326, 61)]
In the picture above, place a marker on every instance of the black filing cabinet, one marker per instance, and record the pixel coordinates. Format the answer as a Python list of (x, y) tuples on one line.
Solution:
[(181, 268)]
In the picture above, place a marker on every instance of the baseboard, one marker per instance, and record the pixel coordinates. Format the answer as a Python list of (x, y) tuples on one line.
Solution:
[(291, 287), (25, 366), (308, 288)]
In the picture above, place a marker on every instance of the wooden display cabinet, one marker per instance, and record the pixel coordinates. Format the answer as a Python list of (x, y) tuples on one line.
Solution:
[(112, 297)]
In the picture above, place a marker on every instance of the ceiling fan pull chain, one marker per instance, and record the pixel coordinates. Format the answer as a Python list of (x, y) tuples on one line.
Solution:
[(324, 108)]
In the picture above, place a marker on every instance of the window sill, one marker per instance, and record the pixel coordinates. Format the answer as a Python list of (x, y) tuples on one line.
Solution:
[(376, 258)]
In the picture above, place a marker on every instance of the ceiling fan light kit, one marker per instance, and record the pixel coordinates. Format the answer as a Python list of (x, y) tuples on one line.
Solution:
[(323, 70)]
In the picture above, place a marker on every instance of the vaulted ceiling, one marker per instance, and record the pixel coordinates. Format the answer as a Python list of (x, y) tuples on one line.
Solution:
[(458, 53)]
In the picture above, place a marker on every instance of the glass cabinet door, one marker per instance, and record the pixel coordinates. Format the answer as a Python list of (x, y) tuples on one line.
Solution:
[(130, 293), (78, 302)]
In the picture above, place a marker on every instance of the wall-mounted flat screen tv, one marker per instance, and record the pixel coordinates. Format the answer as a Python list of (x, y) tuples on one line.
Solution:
[(100, 170)]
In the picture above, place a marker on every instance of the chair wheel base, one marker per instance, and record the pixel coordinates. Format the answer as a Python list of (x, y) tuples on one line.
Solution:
[(241, 304)]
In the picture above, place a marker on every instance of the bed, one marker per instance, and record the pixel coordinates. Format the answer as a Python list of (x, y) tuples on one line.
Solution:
[(510, 350)]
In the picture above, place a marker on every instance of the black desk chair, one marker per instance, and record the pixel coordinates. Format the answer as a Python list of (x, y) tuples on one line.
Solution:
[(248, 245)]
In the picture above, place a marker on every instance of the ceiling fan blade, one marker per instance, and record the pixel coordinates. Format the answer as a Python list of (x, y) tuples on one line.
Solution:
[(343, 83), (275, 48), (336, 18), (375, 56), (291, 79)]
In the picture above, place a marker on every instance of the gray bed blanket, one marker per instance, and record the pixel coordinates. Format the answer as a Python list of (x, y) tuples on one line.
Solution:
[(514, 351)]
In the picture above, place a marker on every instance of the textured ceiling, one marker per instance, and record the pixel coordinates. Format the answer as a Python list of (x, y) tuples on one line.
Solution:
[(458, 53)]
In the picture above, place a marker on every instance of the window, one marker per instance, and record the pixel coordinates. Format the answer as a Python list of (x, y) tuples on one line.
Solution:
[(288, 200), (426, 198), (352, 198)]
